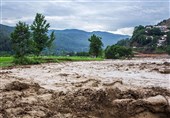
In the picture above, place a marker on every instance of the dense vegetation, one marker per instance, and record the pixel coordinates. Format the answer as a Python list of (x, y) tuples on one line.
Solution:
[(25, 42), (39, 34), (20, 40), (95, 46), (36, 39), (147, 40), (77, 40), (117, 52), (145, 37)]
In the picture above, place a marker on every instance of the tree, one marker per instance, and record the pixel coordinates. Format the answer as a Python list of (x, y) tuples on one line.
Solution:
[(95, 45), (20, 39), (39, 34), (116, 52)]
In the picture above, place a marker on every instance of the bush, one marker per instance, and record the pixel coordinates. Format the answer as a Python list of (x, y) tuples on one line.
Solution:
[(117, 52), (25, 61), (82, 54)]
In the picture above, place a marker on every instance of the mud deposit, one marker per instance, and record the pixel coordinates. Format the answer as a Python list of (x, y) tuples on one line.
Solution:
[(81, 89)]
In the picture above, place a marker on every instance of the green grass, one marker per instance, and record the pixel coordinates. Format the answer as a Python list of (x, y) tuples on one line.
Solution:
[(8, 61)]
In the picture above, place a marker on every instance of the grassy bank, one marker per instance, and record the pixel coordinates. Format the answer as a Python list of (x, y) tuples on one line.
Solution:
[(8, 61)]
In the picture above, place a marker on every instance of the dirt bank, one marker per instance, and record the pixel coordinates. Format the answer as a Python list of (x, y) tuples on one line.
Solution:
[(109, 89), (26, 100)]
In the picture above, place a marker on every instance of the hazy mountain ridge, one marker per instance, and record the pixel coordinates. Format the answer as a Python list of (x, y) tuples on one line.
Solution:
[(77, 40), (5, 44), (66, 40)]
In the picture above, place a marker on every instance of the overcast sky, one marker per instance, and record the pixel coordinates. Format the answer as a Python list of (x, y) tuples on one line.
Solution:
[(117, 16)]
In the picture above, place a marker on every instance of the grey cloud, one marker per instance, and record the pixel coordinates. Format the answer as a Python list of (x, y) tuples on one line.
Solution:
[(87, 14)]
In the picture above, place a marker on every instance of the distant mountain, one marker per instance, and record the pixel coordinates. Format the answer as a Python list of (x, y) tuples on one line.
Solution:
[(77, 40), (5, 44), (66, 40)]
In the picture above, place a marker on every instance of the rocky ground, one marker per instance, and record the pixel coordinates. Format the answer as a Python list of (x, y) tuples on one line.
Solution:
[(137, 88)]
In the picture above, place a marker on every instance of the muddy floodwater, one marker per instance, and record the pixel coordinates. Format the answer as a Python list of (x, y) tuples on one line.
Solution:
[(135, 88)]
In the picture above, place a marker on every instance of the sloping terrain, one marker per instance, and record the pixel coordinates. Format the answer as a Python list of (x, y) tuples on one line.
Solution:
[(165, 22)]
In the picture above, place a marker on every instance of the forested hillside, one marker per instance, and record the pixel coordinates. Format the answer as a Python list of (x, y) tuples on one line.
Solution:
[(5, 44), (69, 40), (150, 38)]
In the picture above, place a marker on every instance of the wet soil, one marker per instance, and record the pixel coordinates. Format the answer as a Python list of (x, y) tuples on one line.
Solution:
[(82, 90)]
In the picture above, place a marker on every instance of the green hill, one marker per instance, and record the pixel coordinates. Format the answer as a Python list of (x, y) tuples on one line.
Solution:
[(70, 40)]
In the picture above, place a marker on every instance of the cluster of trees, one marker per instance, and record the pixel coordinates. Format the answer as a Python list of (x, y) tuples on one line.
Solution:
[(143, 37), (146, 39), (117, 52), (111, 52), (32, 39)]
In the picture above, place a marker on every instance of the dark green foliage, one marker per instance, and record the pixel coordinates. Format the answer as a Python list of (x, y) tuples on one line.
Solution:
[(39, 34), (154, 31), (77, 40), (20, 39), (138, 36), (95, 46), (146, 38), (117, 52), (25, 61), (124, 42), (82, 54)]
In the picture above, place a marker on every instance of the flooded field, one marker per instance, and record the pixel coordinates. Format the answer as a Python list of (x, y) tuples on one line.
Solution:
[(136, 88)]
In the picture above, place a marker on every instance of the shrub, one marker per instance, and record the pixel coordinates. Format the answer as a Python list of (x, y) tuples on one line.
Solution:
[(117, 52)]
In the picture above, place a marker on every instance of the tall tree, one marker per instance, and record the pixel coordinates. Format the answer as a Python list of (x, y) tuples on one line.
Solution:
[(20, 39), (95, 45), (40, 37)]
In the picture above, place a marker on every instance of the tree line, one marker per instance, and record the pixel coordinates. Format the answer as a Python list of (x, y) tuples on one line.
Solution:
[(34, 39), (111, 52)]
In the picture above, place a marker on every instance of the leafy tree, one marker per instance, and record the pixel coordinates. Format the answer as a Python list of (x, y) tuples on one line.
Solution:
[(138, 35), (116, 52), (40, 37), (154, 31), (95, 45), (20, 39)]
